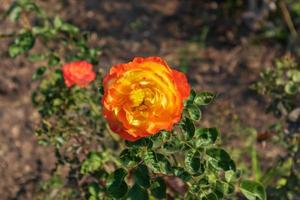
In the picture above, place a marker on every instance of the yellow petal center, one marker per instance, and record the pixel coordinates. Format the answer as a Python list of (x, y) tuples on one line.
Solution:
[(137, 97), (142, 98)]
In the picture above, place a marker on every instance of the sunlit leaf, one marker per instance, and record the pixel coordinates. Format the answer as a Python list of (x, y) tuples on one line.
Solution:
[(194, 112), (92, 163), (220, 159), (253, 190), (204, 98), (206, 135)]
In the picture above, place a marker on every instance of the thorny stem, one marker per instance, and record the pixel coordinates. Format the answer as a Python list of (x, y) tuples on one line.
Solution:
[(174, 158), (25, 21), (6, 35), (112, 134)]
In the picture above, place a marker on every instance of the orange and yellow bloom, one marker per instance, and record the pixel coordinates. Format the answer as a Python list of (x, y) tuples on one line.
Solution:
[(143, 97), (78, 73)]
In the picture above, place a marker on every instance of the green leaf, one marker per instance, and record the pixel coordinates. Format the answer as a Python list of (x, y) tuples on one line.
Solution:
[(44, 31), (14, 51), (93, 198), (220, 159), (57, 22), (38, 73), (204, 182), (43, 142), (119, 174), (138, 193), (117, 187), (163, 164), (188, 127), (69, 28), (206, 135), (101, 90), (181, 173), (56, 181), (141, 176), (143, 142), (149, 158), (94, 189), (157, 162), (204, 98), (24, 42), (13, 12), (230, 176), (160, 137), (174, 145), (222, 188), (36, 57), (280, 81), (193, 162), (190, 100), (158, 188), (194, 112), (92, 163), (291, 88), (129, 157), (210, 196), (253, 190), (296, 76), (59, 74), (30, 6), (53, 60)]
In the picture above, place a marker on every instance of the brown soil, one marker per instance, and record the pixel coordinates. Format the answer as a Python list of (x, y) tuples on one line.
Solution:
[(227, 65)]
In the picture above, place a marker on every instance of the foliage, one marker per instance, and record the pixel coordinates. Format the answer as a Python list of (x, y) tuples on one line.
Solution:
[(92, 162), (281, 86)]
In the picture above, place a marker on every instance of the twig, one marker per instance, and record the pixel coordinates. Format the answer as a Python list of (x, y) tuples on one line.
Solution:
[(6, 35), (287, 18)]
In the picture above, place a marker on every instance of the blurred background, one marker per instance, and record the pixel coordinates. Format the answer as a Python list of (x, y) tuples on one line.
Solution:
[(222, 45)]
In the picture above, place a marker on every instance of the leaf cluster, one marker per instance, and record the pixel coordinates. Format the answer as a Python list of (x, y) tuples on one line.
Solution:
[(280, 85)]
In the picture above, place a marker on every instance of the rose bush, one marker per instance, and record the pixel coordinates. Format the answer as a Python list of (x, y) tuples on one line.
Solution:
[(280, 86), (167, 155)]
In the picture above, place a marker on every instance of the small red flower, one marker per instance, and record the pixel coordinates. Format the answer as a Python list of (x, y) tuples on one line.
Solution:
[(78, 73)]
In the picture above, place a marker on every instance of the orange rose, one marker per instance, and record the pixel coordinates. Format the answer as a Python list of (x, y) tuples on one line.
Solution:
[(79, 73), (143, 97)]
